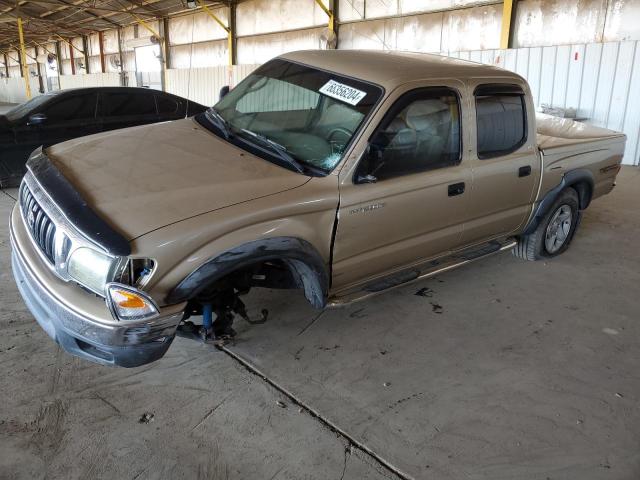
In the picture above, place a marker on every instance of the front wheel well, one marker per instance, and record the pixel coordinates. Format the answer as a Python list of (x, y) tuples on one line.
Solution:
[(283, 262)]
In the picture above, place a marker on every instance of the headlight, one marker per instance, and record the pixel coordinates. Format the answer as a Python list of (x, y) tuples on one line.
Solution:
[(127, 303), (90, 268)]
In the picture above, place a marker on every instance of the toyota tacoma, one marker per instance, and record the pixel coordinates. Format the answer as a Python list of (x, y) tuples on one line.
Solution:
[(339, 173)]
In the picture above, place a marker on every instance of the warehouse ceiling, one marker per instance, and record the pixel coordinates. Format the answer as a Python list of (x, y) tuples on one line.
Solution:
[(43, 20)]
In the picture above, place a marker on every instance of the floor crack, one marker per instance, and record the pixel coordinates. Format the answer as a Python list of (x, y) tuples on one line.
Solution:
[(351, 441), (210, 412), (310, 323), (7, 194)]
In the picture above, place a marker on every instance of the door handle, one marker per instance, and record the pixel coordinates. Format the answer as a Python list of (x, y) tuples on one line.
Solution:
[(456, 189), (524, 171)]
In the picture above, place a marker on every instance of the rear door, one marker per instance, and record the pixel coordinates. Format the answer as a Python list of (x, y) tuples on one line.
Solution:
[(127, 108), (416, 206), (504, 161)]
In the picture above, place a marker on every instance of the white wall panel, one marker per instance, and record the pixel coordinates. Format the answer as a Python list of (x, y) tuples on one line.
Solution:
[(203, 85), (90, 80), (259, 49), (350, 10), (469, 29), (199, 27), (266, 16), (199, 55), (12, 90), (600, 80)]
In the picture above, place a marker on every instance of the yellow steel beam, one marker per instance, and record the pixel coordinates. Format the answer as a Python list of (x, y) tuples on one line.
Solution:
[(17, 49), (225, 27), (71, 45), (331, 25), (142, 22), (43, 47), (23, 57), (507, 12)]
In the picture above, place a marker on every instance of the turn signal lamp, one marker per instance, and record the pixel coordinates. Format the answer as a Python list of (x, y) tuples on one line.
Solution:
[(129, 304)]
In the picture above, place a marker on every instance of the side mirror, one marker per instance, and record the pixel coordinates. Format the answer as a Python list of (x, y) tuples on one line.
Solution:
[(223, 92), (36, 119)]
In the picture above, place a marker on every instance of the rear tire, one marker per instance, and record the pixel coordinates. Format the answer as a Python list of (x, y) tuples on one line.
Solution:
[(554, 232)]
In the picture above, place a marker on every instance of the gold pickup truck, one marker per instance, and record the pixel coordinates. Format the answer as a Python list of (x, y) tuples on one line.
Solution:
[(340, 173)]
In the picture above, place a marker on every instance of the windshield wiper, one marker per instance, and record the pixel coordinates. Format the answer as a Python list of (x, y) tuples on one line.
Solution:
[(279, 150), (218, 120)]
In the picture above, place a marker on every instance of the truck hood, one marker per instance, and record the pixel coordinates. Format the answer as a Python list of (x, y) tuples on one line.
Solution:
[(144, 178)]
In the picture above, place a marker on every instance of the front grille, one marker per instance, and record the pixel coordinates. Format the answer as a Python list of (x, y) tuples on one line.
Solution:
[(43, 230)]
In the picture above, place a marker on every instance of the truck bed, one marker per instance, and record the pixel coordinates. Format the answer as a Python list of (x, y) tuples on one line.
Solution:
[(556, 132), (569, 145)]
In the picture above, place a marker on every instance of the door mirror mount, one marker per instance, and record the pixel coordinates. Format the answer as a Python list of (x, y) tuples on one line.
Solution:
[(371, 160), (36, 119), (365, 179)]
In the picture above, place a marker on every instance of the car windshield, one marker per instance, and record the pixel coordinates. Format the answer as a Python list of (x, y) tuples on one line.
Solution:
[(307, 114), (27, 107)]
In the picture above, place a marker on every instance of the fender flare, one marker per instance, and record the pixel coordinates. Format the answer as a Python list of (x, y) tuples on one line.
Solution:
[(571, 178), (300, 256)]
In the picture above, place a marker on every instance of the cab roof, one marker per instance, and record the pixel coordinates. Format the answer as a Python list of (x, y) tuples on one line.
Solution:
[(393, 68)]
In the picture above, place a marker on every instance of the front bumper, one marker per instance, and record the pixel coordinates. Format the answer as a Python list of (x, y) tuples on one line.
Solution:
[(126, 344)]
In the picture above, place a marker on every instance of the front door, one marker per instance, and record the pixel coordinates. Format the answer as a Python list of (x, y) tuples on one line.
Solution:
[(407, 201), (71, 116)]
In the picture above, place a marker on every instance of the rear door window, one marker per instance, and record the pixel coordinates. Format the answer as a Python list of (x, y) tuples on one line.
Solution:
[(501, 119), (121, 104)]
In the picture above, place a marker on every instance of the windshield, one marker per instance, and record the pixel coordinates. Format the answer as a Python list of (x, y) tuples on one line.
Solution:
[(28, 107), (307, 114)]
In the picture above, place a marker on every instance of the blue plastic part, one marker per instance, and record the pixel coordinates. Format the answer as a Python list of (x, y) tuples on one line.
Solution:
[(207, 316)]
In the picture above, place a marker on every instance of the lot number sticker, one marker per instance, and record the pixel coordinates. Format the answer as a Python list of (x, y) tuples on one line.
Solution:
[(343, 92)]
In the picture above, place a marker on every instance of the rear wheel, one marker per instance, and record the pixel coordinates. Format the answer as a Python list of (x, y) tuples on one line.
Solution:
[(554, 232)]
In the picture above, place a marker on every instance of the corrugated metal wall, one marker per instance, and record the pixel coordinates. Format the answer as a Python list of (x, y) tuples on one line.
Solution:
[(600, 80), (90, 80), (203, 85), (12, 90)]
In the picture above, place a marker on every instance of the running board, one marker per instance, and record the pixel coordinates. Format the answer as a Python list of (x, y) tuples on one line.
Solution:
[(429, 269)]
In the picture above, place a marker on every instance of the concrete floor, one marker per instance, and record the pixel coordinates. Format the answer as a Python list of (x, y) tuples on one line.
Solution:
[(500, 370)]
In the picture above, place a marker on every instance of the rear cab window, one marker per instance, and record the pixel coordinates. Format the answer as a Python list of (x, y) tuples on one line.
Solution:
[(501, 119)]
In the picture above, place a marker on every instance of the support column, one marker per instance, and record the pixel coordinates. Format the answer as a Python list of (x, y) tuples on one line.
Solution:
[(41, 88), (166, 52), (73, 62), (330, 11), (85, 53), (103, 65), (59, 60), (23, 60), (508, 15), (6, 65), (232, 38), (123, 78)]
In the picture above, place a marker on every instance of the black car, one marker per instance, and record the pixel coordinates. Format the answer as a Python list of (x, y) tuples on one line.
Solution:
[(58, 116)]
